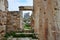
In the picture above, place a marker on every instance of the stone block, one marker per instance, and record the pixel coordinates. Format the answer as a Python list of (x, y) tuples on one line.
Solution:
[(3, 20), (13, 20)]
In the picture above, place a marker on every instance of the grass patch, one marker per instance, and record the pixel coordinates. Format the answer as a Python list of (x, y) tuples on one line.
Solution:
[(27, 26)]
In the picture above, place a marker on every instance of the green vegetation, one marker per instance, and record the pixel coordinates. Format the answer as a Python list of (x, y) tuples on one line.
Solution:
[(9, 34), (21, 35), (27, 26)]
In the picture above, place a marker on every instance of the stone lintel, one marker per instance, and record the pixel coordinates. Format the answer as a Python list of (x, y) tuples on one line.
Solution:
[(26, 8)]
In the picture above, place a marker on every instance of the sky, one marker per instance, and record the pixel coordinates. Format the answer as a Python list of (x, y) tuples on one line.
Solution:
[(13, 5), (30, 12)]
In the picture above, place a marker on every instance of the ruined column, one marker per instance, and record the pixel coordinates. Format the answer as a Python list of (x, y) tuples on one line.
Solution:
[(4, 5), (45, 25), (21, 17)]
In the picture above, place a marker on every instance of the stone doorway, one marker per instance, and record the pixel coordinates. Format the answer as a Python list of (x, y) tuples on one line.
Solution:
[(23, 9)]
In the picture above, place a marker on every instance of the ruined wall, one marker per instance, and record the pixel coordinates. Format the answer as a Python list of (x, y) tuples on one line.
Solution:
[(3, 20), (45, 19), (13, 21)]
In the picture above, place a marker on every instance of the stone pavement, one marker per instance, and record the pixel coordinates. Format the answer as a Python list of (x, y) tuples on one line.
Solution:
[(21, 39)]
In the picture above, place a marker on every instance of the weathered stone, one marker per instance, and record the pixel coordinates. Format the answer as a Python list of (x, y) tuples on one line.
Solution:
[(4, 5), (26, 8), (44, 19), (3, 20), (13, 21)]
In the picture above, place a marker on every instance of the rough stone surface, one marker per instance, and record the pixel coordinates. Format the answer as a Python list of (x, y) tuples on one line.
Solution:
[(13, 21), (57, 15), (4, 5), (45, 19), (3, 19)]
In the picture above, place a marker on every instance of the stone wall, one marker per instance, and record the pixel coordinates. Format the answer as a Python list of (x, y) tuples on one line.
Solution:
[(13, 21), (3, 20)]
